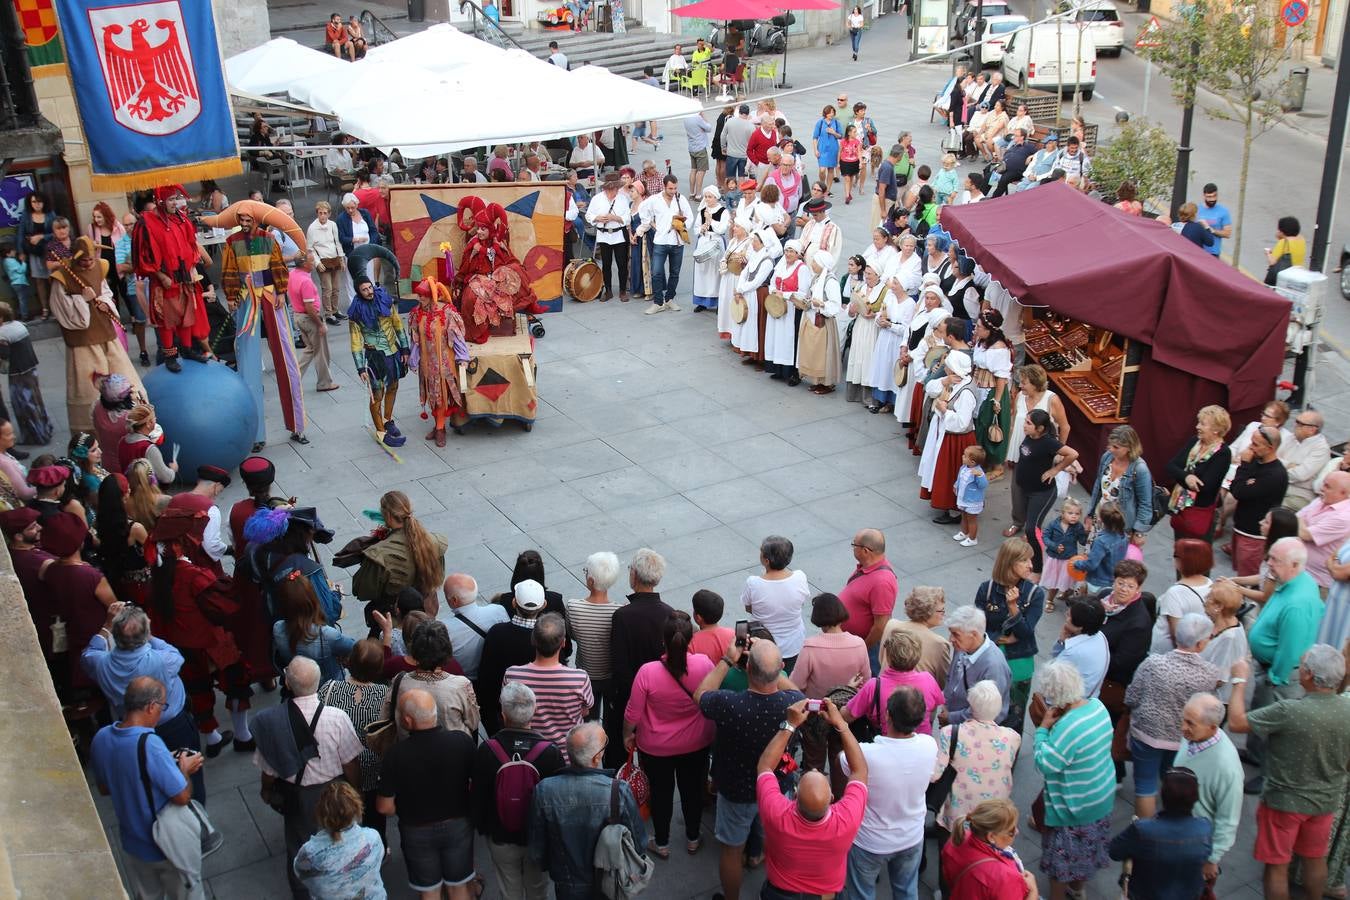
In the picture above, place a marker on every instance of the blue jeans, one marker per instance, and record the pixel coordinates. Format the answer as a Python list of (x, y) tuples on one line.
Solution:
[(864, 868), (855, 35), (663, 285), (735, 167), (874, 658)]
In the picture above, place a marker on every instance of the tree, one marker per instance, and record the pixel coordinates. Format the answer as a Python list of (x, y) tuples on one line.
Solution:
[(1235, 55), (1143, 153)]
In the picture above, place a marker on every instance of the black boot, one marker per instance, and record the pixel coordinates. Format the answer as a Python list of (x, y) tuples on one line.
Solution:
[(171, 363)]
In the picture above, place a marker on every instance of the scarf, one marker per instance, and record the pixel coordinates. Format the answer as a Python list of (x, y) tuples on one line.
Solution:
[(1183, 498), (367, 313)]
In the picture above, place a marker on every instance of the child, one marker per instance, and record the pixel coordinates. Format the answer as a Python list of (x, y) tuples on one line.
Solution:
[(17, 275), (970, 485), (711, 639), (731, 194), (19, 361), (1135, 549), (1107, 549), (1061, 538), (947, 181)]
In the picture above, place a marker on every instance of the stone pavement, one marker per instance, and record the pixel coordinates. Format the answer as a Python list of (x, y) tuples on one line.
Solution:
[(650, 433)]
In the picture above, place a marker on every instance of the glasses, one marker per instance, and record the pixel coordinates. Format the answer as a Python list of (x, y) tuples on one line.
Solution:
[(1267, 415), (1306, 424)]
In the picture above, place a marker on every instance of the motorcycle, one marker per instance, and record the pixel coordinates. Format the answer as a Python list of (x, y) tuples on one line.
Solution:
[(769, 37)]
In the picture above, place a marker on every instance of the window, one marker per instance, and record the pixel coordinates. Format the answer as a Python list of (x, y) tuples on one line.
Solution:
[(1098, 15)]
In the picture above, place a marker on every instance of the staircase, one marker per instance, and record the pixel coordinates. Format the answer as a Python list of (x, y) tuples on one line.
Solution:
[(623, 54)]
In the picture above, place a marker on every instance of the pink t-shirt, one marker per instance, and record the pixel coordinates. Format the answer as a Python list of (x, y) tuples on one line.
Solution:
[(1328, 526), (712, 642), (868, 595), (668, 720), (301, 290), (805, 856), (864, 704), (828, 660)]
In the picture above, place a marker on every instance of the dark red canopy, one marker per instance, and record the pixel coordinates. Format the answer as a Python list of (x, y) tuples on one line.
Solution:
[(1053, 246)]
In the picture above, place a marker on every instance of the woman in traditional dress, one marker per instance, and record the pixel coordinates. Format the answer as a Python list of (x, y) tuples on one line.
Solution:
[(921, 342), (952, 430), (19, 361), (818, 336), (907, 269), (881, 253), (935, 256), (753, 285), (729, 267), (892, 327), (866, 305), (791, 282), (640, 254), (993, 367), (964, 295), (714, 220)]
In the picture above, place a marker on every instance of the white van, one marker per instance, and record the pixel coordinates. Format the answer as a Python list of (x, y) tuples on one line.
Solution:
[(1031, 59)]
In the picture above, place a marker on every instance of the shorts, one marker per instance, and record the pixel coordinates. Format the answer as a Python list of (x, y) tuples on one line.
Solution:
[(438, 854), (1149, 763), (734, 821), (849, 168), (1280, 835), (698, 162)]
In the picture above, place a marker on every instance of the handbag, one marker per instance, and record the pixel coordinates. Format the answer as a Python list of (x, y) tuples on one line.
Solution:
[(383, 733), (330, 263), (994, 433), (940, 790), (1273, 271), (184, 834), (1037, 818), (284, 796), (631, 774), (863, 728), (1120, 740)]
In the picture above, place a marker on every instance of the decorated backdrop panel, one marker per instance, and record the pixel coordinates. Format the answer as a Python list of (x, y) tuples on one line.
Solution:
[(424, 216)]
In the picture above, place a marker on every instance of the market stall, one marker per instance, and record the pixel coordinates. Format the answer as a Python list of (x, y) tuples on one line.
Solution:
[(1134, 323)]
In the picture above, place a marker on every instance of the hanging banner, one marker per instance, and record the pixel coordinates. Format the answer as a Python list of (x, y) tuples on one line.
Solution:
[(150, 90)]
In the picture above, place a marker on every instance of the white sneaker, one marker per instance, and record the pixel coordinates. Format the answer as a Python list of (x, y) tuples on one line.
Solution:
[(969, 542), (653, 309), (672, 306), (959, 536)]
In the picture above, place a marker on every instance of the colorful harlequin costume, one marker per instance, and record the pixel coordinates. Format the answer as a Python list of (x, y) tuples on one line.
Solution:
[(380, 350), (438, 350), (83, 305), (164, 246), (191, 601), (490, 282), (255, 278)]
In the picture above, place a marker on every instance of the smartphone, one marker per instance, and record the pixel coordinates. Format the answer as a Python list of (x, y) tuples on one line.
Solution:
[(813, 706), (742, 632)]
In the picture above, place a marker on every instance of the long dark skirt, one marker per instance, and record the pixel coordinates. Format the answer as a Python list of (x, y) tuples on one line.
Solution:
[(30, 412)]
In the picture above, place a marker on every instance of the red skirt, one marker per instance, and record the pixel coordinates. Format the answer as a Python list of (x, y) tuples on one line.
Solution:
[(1194, 522), (943, 494), (915, 413)]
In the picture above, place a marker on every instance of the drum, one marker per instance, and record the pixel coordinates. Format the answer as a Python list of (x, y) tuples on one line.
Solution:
[(583, 280), (776, 305)]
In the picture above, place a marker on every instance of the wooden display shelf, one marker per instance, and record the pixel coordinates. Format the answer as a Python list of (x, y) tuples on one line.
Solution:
[(1066, 382)]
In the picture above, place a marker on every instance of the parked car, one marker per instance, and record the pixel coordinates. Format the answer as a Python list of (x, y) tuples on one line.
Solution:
[(964, 25), (1103, 22), (1030, 59), (997, 30)]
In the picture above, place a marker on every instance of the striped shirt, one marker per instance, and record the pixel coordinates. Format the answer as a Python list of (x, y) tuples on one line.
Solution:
[(562, 697), (590, 625), (1075, 758)]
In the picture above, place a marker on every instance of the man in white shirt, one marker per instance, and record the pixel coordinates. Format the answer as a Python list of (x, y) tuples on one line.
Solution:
[(557, 57), (586, 158), (891, 835), (1304, 458), (1082, 643), (1074, 161), (469, 173), (666, 215), (609, 213), (533, 168), (468, 621), (675, 68)]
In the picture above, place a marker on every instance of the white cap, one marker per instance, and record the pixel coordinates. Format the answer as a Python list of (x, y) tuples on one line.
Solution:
[(530, 595)]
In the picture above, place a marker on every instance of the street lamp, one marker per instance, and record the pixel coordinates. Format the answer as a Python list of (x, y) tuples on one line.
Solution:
[(1192, 14)]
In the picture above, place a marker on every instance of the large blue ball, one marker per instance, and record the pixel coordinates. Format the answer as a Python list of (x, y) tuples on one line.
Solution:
[(207, 410)]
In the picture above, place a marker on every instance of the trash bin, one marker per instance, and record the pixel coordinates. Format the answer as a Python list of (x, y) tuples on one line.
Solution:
[(417, 10), (1296, 89)]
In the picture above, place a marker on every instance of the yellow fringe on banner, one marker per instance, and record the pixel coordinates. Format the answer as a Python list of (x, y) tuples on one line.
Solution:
[(153, 178)]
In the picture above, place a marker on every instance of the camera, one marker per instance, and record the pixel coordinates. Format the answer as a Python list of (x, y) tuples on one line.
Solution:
[(813, 706)]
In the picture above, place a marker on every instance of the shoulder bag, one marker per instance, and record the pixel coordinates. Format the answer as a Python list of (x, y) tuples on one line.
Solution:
[(184, 834), (383, 733), (284, 796), (940, 790), (863, 728), (467, 621)]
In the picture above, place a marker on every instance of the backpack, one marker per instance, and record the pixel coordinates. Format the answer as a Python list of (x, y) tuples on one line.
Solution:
[(515, 783), (621, 871)]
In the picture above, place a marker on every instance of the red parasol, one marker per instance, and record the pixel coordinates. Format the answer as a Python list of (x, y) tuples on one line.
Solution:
[(728, 9)]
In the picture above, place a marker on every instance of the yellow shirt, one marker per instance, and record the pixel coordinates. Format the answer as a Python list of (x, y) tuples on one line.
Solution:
[(1296, 247)]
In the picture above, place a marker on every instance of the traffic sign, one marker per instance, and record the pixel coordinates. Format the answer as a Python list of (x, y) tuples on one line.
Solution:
[(1148, 35), (1294, 12)]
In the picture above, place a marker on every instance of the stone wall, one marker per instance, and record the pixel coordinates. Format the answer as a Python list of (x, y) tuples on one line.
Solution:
[(56, 100), (241, 25), (50, 835)]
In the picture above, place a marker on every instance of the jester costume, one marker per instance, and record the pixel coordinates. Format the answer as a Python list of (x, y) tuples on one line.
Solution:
[(380, 350), (490, 282), (438, 349), (255, 279), (164, 245)]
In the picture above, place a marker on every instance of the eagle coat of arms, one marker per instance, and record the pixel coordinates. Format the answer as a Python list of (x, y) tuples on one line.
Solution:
[(147, 66)]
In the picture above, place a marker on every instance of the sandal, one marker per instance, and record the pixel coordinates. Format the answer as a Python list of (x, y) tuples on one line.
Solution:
[(693, 846), (1049, 606), (1011, 530), (657, 850)]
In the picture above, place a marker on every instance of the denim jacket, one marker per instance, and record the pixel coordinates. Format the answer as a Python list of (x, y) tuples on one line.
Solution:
[(1168, 852), (1136, 494), (992, 599), (567, 814)]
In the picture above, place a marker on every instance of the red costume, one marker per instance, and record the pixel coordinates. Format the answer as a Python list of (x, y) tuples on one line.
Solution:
[(164, 241), (192, 616), (437, 336), (250, 625), (489, 279)]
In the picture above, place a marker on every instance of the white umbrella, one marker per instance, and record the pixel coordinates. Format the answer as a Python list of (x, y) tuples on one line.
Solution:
[(272, 67), (441, 48), (360, 83), (625, 100)]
